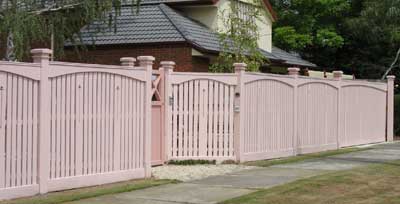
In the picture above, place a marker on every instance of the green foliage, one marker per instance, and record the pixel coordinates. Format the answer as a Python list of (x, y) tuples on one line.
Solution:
[(360, 37), (287, 36), (35, 21), (397, 115), (239, 37), (191, 162)]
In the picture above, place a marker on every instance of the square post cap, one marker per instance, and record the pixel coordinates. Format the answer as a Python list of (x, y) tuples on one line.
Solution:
[(146, 60), (293, 71), (41, 54), (128, 61), (167, 65), (240, 67), (391, 77)]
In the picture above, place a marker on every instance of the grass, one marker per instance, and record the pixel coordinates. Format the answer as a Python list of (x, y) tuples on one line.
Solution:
[(191, 162), (373, 184), (83, 193), (266, 163)]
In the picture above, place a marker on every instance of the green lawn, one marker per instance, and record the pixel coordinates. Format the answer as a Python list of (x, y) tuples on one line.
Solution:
[(374, 184), (82, 193), (266, 163)]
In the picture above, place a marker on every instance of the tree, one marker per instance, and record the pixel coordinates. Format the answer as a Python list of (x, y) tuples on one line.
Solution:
[(24, 22), (239, 37), (311, 28)]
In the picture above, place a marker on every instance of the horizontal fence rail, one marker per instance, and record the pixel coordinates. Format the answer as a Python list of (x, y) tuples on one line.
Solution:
[(69, 125)]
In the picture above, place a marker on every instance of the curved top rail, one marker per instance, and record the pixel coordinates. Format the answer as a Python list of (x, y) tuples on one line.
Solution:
[(253, 77), (383, 89), (66, 69), (268, 74), (96, 66), (306, 81), (28, 70), (181, 77)]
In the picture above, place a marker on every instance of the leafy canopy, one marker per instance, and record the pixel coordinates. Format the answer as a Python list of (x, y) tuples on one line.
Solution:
[(239, 37), (36, 21)]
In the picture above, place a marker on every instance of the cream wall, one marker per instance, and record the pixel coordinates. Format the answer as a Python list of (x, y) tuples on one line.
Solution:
[(209, 16)]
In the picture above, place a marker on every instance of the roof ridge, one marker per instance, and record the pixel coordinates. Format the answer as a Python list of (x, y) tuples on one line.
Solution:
[(178, 27)]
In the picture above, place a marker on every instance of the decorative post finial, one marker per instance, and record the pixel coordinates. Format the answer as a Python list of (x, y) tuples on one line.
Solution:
[(128, 61), (146, 61), (41, 55), (240, 67), (293, 71), (337, 75)]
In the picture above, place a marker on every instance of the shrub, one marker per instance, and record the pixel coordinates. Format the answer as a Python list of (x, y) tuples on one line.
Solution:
[(397, 115), (191, 162)]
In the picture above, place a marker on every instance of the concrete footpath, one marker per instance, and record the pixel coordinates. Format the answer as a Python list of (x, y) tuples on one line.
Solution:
[(219, 188)]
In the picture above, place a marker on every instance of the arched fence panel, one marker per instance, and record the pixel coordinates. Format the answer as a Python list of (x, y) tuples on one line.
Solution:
[(363, 114), (201, 120), (317, 116), (268, 115), (19, 122)]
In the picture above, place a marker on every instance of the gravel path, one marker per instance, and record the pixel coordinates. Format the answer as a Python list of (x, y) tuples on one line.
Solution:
[(195, 172)]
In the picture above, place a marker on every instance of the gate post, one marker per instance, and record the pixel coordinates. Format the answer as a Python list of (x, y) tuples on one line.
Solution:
[(337, 75), (42, 56), (147, 63), (294, 72), (390, 108), (168, 68), (238, 137)]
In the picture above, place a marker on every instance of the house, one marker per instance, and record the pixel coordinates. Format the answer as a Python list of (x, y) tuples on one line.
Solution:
[(175, 30)]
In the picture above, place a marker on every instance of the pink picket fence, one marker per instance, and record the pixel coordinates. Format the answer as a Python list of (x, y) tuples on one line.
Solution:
[(252, 116), (67, 125)]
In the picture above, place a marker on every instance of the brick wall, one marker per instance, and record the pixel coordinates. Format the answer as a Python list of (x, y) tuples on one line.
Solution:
[(180, 53)]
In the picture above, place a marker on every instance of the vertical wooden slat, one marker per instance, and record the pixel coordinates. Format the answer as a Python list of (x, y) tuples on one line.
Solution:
[(129, 123), (67, 126), (96, 128), (9, 129), (203, 99), (117, 127), (19, 135), (29, 131), (180, 122), (141, 123), (107, 123), (210, 118), (196, 119), (112, 123), (79, 125), (103, 124), (185, 119), (3, 109), (220, 119), (215, 119), (175, 121), (226, 120), (231, 100), (53, 118), (86, 123), (14, 132), (24, 132), (58, 129), (90, 123), (190, 130), (137, 121), (62, 127), (73, 127), (35, 132)]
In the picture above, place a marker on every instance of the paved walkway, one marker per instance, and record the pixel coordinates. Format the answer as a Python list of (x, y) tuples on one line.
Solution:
[(219, 188)]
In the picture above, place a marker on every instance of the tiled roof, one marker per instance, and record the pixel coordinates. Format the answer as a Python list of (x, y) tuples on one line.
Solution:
[(160, 23), (291, 59)]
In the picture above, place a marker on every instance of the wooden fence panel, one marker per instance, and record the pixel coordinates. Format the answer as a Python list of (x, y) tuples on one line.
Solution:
[(363, 113), (202, 116), (18, 129), (317, 115), (268, 117)]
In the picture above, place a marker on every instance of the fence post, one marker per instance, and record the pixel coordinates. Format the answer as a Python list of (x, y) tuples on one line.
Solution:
[(390, 108), (337, 75), (168, 67), (42, 56), (294, 72), (238, 138), (147, 63)]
